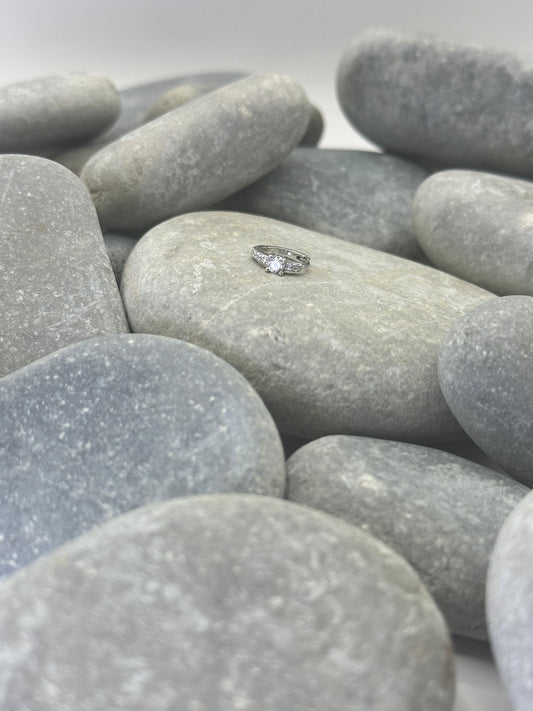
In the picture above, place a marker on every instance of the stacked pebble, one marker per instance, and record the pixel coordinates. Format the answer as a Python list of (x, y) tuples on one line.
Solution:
[(332, 579)]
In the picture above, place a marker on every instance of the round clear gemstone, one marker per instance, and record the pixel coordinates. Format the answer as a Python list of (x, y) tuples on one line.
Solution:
[(275, 264)]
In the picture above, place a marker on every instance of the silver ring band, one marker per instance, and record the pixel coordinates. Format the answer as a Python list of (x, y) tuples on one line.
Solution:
[(280, 260)]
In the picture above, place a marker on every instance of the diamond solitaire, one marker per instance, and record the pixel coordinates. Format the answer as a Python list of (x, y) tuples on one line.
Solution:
[(280, 260)]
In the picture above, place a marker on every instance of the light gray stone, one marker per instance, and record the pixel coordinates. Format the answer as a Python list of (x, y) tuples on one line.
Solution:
[(135, 102), (487, 380), (112, 423), (434, 99), (440, 512), (56, 283), (180, 95), (198, 154), (478, 227), (51, 111), (358, 196), (118, 249), (510, 605), (349, 347), (223, 602)]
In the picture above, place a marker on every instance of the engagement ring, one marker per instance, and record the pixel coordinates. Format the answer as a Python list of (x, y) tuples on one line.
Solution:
[(279, 260)]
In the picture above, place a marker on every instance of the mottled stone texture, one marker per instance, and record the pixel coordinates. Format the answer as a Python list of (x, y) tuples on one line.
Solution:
[(440, 100), (440, 512), (478, 227), (56, 283), (223, 603), (135, 103), (348, 347), (199, 154), (52, 111), (486, 377), (510, 604), (113, 423), (358, 196)]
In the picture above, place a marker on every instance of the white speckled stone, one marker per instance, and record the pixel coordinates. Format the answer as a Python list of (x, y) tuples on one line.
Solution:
[(358, 196), (52, 111), (510, 604), (441, 512), (349, 347), (198, 154), (113, 423), (223, 602), (56, 283), (453, 103), (478, 227)]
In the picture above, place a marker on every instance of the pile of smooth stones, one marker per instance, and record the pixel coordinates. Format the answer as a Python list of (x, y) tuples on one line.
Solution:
[(227, 489)]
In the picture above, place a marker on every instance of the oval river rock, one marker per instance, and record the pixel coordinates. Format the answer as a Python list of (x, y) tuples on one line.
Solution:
[(112, 423), (198, 154), (223, 602), (439, 511), (349, 347)]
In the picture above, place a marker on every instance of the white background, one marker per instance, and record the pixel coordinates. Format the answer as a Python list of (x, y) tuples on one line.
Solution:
[(138, 40)]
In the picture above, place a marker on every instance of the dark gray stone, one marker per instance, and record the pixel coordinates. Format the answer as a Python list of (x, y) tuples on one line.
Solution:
[(118, 249), (510, 604), (136, 101), (478, 227), (113, 423), (487, 380), (358, 196), (50, 111), (223, 602), (198, 154), (349, 347), (56, 283), (180, 95), (440, 100), (440, 512)]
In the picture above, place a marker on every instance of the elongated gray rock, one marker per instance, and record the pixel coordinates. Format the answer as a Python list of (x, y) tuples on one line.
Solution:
[(56, 283), (478, 227), (52, 111), (118, 249), (113, 423), (198, 154), (358, 196), (435, 99), (440, 512), (485, 376), (510, 606), (348, 347), (182, 94), (135, 103), (223, 602)]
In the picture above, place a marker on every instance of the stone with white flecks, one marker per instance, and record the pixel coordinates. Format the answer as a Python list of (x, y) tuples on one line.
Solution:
[(223, 602), (349, 346), (113, 423)]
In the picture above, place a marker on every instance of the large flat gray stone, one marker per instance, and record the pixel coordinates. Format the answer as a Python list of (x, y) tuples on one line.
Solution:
[(56, 282), (48, 112), (197, 154), (358, 196), (223, 602), (349, 347), (440, 512), (486, 377), (453, 103), (478, 226), (510, 604), (113, 423)]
